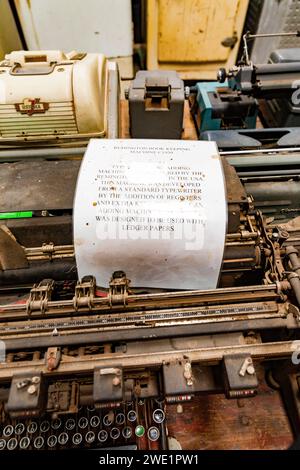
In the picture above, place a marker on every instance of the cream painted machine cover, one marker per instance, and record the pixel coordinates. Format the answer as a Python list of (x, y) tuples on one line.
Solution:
[(51, 94), (155, 209)]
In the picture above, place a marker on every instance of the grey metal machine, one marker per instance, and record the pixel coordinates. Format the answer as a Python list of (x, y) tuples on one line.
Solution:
[(156, 105)]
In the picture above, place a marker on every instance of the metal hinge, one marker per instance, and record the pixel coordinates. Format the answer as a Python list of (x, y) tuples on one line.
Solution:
[(39, 296)]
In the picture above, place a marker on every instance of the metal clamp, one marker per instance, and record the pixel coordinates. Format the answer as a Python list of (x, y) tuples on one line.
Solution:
[(118, 288), (39, 296), (85, 293)]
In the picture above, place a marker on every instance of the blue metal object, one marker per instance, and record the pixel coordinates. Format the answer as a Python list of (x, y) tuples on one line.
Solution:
[(209, 118)]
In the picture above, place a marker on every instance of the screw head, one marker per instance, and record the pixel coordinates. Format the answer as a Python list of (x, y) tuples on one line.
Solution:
[(31, 389)]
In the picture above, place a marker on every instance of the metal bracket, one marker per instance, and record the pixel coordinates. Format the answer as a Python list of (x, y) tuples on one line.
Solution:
[(188, 374), (39, 296), (48, 249), (52, 358), (118, 288), (85, 293), (247, 367)]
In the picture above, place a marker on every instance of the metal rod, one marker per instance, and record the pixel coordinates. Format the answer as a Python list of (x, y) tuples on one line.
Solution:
[(271, 35), (86, 364), (41, 152)]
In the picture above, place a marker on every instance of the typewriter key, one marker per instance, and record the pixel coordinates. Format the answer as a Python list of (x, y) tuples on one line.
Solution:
[(90, 437), (24, 443), (158, 416), (44, 426), (12, 443), (32, 427), (2, 444), (56, 424), (114, 433), (38, 442), (77, 439), (120, 418), (52, 440), (153, 433), (131, 416), (102, 435), (108, 420), (127, 432), (139, 430), (83, 422), (8, 430), (70, 424), (19, 429), (90, 408), (63, 438), (94, 421)]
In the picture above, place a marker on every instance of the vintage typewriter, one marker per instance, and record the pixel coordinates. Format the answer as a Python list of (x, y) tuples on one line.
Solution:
[(85, 365)]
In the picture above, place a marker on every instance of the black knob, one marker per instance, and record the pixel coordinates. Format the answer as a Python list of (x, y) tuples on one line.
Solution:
[(221, 75)]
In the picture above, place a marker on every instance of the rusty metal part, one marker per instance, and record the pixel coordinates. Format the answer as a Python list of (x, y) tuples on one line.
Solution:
[(40, 296), (177, 299), (52, 358), (153, 355), (84, 293), (294, 276), (118, 288)]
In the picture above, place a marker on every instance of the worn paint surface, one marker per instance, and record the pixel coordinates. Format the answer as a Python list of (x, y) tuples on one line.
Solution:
[(186, 35), (214, 422), (192, 30)]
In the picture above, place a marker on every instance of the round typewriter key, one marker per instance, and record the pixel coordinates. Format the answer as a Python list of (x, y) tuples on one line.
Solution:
[(77, 439), (8, 430), (2, 444), (70, 424), (19, 429), (120, 418), (127, 432), (63, 438), (56, 424), (24, 443), (94, 421), (108, 420), (83, 422), (32, 427), (102, 435), (131, 416), (91, 408), (52, 440), (153, 433), (158, 416), (114, 433), (44, 426), (38, 442), (139, 430), (12, 443), (90, 437)]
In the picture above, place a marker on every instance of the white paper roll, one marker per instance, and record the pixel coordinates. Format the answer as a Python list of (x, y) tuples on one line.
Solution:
[(155, 209)]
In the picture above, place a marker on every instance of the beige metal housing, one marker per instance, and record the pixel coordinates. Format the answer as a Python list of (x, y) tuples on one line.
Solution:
[(49, 94)]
